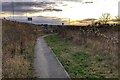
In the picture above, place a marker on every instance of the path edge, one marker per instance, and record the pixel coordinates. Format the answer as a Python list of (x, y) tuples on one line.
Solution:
[(56, 56)]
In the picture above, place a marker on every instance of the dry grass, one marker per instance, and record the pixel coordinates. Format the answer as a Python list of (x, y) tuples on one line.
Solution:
[(17, 45), (99, 41), (18, 63)]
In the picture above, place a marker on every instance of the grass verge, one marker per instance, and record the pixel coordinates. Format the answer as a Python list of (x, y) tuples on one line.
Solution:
[(81, 62)]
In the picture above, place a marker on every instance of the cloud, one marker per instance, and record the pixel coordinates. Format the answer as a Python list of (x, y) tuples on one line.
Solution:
[(37, 20), (39, 0), (23, 7), (72, 0), (18, 0), (52, 10)]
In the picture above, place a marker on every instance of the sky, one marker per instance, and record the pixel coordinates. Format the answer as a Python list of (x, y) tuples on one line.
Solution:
[(57, 11), (119, 8)]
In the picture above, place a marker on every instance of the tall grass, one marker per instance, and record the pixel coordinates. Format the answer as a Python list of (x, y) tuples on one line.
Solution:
[(18, 41), (105, 40)]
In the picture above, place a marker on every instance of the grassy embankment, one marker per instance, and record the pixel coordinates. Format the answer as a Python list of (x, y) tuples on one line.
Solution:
[(18, 40), (82, 61)]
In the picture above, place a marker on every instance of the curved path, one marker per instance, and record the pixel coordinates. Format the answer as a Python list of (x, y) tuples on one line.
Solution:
[(46, 65)]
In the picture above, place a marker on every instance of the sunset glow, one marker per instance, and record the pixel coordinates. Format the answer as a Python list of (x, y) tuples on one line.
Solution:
[(72, 10)]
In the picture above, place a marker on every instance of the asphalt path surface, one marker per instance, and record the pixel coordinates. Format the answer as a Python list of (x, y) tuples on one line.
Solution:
[(46, 65)]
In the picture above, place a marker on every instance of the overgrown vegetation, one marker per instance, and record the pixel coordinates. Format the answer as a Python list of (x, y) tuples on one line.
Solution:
[(18, 41), (86, 60)]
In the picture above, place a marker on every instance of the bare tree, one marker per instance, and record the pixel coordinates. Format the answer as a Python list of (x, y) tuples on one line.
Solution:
[(105, 18)]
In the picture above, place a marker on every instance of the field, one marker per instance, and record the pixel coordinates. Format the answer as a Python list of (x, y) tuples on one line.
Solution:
[(18, 40), (85, 53)]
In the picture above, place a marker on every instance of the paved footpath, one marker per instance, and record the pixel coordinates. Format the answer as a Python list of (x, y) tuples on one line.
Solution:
[(46, 65)]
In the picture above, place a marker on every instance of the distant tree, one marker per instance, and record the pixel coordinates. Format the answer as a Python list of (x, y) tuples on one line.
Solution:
[(118, 18), (62, 24), (4, 18), (105, 18)]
